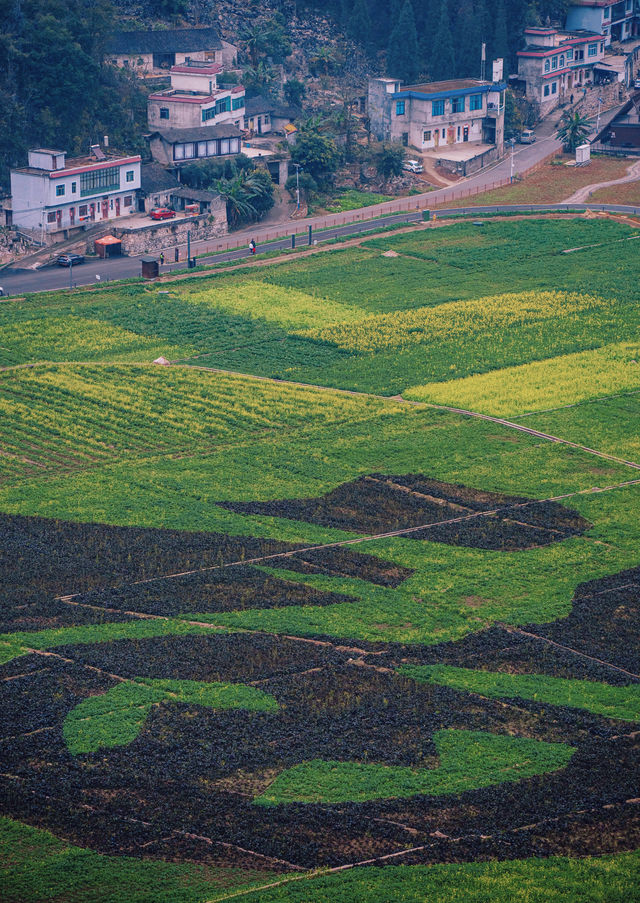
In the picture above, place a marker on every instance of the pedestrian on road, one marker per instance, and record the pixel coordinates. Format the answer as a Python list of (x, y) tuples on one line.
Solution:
[(571, 100), (161, 257), (252, 247)]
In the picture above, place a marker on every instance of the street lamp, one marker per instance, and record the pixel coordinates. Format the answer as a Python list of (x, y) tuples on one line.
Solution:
[(598, 116), (513, 143)]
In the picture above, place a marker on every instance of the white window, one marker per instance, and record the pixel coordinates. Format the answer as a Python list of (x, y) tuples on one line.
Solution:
[(426, 136), (129, 175), (224, 146), (202, 148), (547, 65), (212, 148), (554, 62)]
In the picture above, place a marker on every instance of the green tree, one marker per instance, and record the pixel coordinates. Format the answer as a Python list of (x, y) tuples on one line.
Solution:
[(403, 55), (500, 46), (294, 92), (388, 160), (359, 25), (573, 130), (442, 61), (513, 119), (317, 154)]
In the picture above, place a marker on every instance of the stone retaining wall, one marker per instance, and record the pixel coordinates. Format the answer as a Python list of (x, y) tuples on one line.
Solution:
[(170, 234)]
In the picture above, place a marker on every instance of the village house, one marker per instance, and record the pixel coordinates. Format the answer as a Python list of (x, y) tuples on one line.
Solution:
[(174, 147), (556, 64), (615, 20), (263, 115), (194, 99), (152, 52), (458, 119), (55, 196)]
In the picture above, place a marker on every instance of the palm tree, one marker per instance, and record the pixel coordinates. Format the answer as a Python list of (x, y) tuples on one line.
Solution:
[(573, 130)]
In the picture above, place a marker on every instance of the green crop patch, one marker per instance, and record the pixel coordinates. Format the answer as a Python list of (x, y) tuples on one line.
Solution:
[(468, 759), (622, 703), (117, 718), (274, 609)]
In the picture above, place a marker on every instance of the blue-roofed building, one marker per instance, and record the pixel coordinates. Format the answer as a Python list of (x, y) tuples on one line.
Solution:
[(440, 118)]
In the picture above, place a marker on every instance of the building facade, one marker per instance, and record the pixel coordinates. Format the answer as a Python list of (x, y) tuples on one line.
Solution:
[(148, 52), (195, 99), (56, 195), (615, 20), (554, 65), (175, 147), (439, 114)]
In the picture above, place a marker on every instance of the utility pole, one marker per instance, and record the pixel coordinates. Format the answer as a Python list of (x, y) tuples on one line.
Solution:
[(70, 272), (298, 168), (598, 116), (513, 143)]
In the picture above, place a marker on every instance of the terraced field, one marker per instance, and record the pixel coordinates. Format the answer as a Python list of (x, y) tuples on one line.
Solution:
[(254, 631)]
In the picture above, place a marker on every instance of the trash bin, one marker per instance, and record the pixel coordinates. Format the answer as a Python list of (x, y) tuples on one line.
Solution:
[(150, 268), (192, 262)]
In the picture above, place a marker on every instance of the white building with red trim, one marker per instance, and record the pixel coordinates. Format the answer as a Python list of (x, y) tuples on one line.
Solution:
[(556, 64), (56, 195), (195, 99)]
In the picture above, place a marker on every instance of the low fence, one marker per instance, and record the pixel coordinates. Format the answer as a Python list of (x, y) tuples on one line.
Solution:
[(387, 208)]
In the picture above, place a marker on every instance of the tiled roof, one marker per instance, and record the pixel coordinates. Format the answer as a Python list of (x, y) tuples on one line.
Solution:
[(199, 133), (154, 177), (170, 40)]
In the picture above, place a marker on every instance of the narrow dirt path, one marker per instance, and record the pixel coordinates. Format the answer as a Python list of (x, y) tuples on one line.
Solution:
[(584, 193)]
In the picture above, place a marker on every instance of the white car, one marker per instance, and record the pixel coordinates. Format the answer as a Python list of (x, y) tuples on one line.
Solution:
[(412, 165)]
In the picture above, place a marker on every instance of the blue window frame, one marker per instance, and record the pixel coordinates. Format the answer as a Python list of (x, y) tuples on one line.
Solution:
[(400, 108), (457, 104), (475, 102), (437, 107)]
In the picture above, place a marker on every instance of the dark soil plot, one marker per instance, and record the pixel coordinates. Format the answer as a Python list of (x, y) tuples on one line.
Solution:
[(196, 771), (229, 589), (240, 658), (39, 556), (341, 562), (380, 503), (604, 621), (601, 774), (603, 624), (46, 613)]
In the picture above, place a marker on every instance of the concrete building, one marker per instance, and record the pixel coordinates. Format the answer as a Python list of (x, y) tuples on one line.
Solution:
[(56, 196), (555, 64), (174, 147), (615, 20), (194, 99), (152, 52), (440, 115)]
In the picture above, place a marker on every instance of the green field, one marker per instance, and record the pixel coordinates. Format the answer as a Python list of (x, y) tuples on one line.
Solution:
[(276, 608)]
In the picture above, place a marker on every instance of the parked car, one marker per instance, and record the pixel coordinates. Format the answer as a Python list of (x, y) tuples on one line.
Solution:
[(412, 165), (162, 213), (70, 260), (528, 136), (636, 83)]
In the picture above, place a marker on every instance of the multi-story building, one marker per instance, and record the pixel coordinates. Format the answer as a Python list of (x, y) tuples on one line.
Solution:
[(194, 99), (439, 114), (149, 52), (56, 195), (616, 20), (556, 64), (174, 147)]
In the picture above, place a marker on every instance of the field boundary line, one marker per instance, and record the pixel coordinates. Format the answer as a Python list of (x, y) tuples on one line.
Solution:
[(534, 636), (67, 597)]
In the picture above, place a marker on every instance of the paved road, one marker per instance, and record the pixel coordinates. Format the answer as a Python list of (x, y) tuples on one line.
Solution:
[(15, 281)]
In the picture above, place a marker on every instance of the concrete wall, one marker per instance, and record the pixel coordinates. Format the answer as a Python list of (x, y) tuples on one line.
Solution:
[(379, 107), (181, 115), (589, 18), (163, 236), (469, 167)]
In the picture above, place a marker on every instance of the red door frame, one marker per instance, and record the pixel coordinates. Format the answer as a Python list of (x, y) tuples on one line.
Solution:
[(105, 210), (117, 206)]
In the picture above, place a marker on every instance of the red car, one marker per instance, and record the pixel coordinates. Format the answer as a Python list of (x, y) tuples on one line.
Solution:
[(162, 213)]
